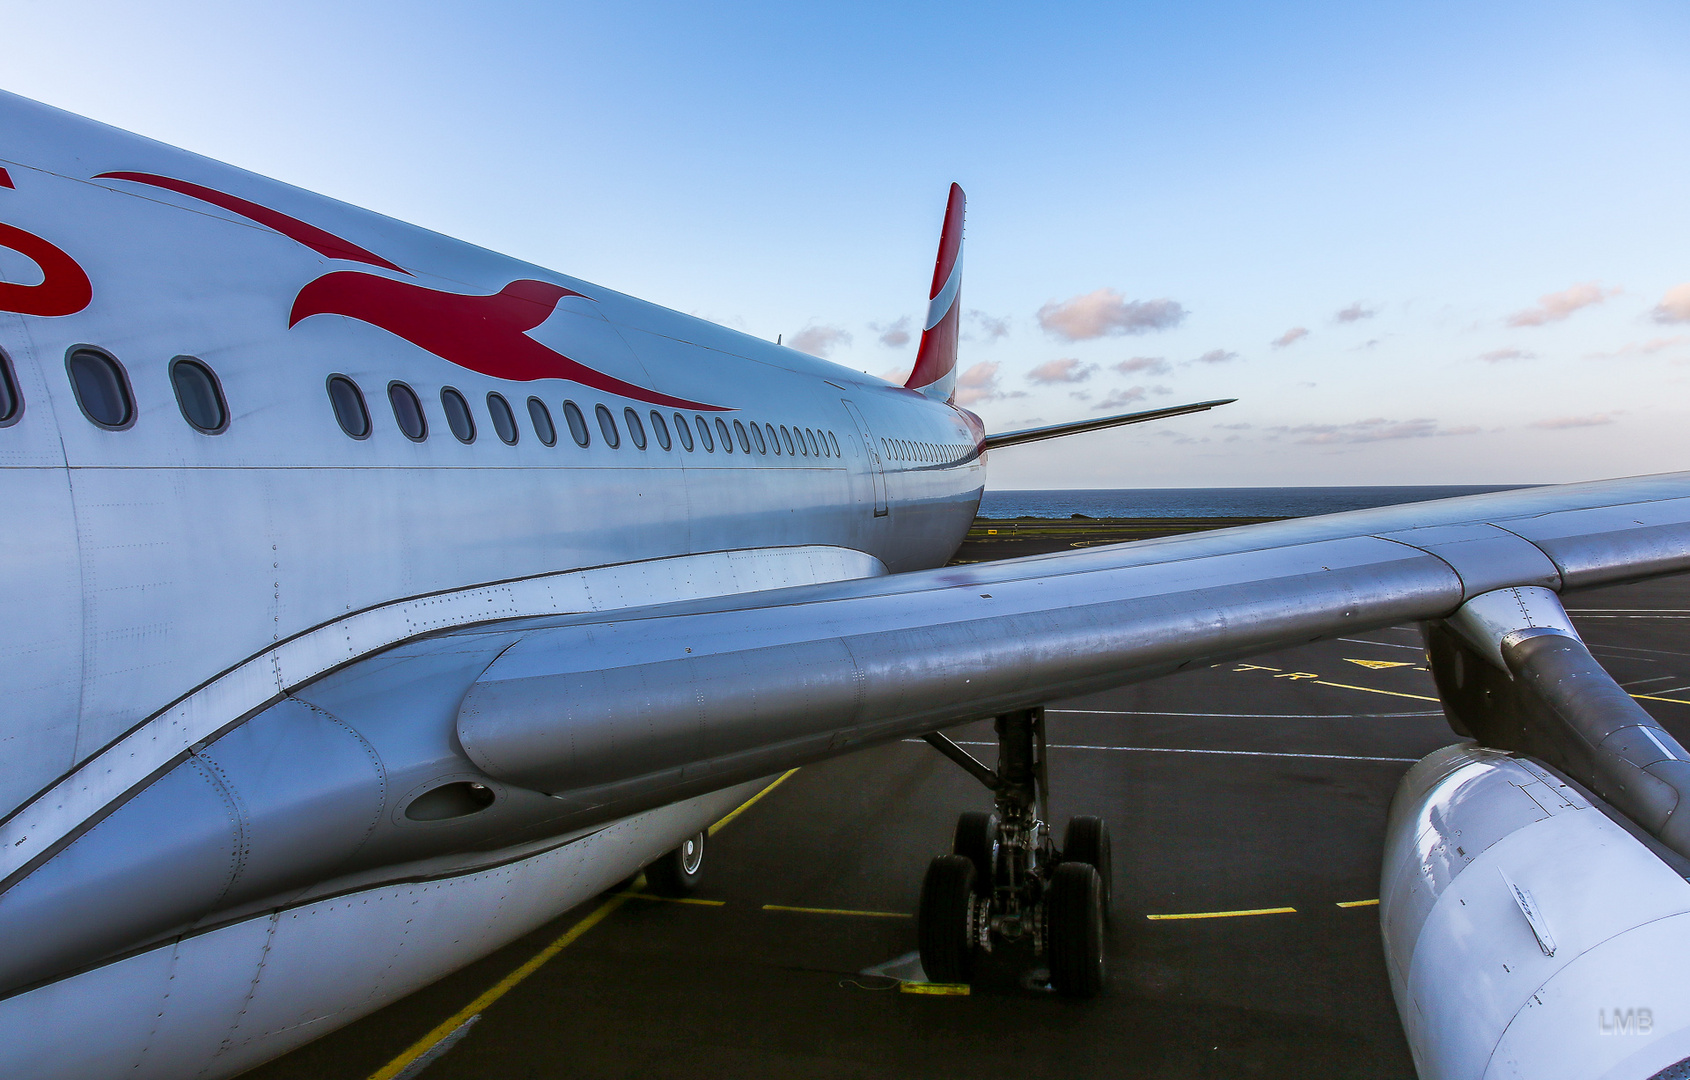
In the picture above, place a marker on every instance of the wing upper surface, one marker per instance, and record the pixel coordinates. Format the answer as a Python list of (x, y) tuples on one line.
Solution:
[(677, 698)]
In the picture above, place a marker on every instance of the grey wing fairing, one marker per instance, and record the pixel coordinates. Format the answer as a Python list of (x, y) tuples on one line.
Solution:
[(671, 701)]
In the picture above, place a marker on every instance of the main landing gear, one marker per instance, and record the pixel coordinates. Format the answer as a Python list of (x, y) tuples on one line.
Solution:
[(1005, 885)]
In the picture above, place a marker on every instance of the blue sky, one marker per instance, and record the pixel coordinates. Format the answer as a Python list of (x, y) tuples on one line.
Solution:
[(1405, 183)]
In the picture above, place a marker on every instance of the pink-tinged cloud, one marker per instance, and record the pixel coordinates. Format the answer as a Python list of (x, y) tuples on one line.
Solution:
[(893, 334), (1120, 399), (1675, 305), (978, 383), (1640, 348), (1561, 423), (1555, 306), (1106, 313), (1497, 356), (1147, 365), (1066, 370), (898, 376), (1215, 356), (1375, 429), (1290, 337), (1355, 313), (820, 340)]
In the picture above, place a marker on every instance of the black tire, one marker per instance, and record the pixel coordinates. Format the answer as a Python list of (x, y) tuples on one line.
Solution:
[(678, 873), (1086, 840), (1074, 930), (942, 924), (977, 840)]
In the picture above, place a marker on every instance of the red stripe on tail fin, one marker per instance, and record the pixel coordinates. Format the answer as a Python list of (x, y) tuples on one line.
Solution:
[(935, 362)]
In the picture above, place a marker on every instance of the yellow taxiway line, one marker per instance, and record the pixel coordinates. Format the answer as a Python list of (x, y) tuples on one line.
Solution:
[(1225, 914), (839, 911), (1358, 903), (450, 1026)]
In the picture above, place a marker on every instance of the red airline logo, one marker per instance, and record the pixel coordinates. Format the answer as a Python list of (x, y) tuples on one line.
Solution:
[(64, 287), (486, 334)]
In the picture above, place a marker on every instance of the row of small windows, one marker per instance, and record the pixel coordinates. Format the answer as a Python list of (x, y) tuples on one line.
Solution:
[(354, 417), (102, 390), (933, 453)]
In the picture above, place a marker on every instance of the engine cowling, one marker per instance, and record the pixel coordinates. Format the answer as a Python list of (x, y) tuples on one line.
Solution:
[(1528, 933)]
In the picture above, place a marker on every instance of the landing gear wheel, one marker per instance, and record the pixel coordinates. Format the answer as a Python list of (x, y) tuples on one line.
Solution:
[(977, 839), (677, 873), (945, 923), (1086, 840), (1074, 925)]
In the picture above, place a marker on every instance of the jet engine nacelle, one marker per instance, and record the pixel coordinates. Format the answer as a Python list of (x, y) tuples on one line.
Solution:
[(1528, 932)]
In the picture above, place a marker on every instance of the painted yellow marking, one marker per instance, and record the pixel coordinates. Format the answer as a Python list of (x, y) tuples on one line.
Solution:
[(671, 899), (839, 911), (1652, 697), (1371, 690), (1226, 914), (749, 803), (1255, 667), (499, 990), (1298, 675), (1380, 665), (1358, 903), (947, 989)]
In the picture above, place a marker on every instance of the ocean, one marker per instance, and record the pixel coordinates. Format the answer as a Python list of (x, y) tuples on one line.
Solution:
[(1212, 502)]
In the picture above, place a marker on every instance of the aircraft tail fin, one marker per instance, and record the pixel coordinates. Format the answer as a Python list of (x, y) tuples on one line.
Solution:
[(935, 362)]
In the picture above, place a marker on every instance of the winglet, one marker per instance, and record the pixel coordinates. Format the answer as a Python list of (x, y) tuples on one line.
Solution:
[(935, 362)]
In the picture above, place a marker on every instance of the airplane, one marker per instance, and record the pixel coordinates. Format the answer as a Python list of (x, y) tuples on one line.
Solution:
[(371, 599)]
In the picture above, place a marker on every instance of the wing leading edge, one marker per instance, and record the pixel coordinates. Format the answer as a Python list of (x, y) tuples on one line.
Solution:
[(669, 701)]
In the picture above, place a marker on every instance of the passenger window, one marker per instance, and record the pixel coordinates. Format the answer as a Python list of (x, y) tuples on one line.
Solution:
[(541, 418), (198, 395), (11, 402), (457, 414), (786, 437), (833, 444), (504, 421), (757, 432), (349, 410), (744, 443), (102, 389), (724, 436), (810, 435), (577, 423), (774, 440), (684, 431), (660, 429), (407, 411), (636, 430), (704, 434), (607, 427)]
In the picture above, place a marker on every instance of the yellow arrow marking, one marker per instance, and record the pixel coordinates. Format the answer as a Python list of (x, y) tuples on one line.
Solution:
[(1379, 665)]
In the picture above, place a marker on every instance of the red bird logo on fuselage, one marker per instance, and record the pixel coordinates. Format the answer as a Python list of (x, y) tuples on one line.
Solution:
[(486, 334)]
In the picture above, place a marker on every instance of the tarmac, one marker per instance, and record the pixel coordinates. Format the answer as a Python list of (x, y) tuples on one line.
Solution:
[(1247, 803)]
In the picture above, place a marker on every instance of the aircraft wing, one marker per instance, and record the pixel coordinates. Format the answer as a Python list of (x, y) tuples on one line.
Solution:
[(663, 702)]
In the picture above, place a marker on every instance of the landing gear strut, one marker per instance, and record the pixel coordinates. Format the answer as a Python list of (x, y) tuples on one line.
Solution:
[(1005, 883)]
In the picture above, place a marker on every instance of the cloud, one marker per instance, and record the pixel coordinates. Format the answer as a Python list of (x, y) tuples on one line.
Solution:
[(1561, 423), (1120, 399), (898, 376), (820, 340), (1639, 348), (1149, 365), (1675, 305), (1555, 306), (1106, 313), (978, 383), (893, 334), (1375, 429), (988, 327), (1497, 356), (1355, 313), (1215, 356), (1291, 337), (1066, 370), (1080, 395)]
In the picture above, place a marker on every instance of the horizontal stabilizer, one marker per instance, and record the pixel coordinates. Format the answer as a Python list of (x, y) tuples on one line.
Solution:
[(1055, 431)]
